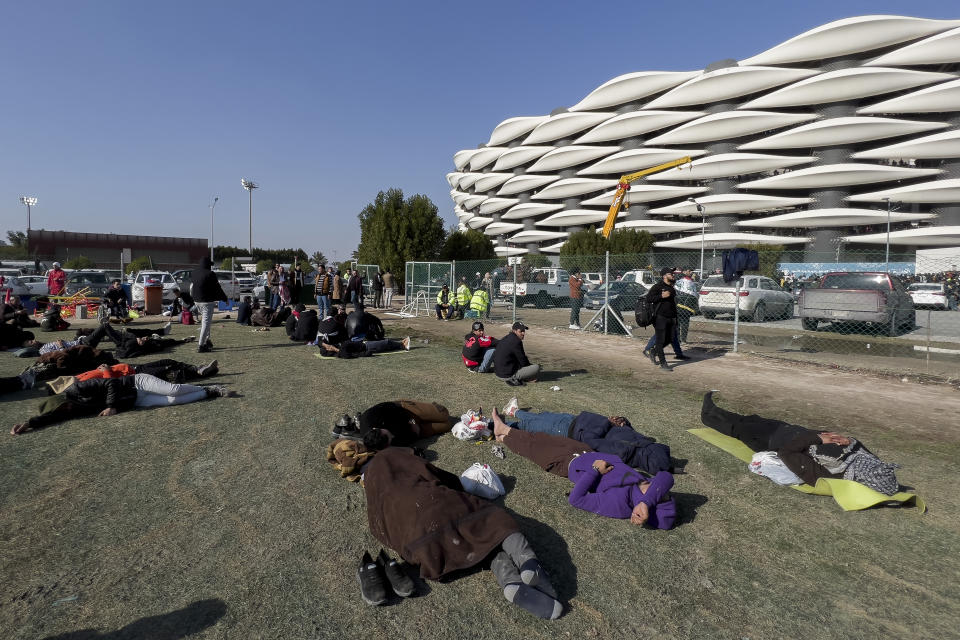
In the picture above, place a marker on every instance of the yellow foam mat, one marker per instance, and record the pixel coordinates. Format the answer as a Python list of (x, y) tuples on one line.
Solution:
[(376, 355), (850, 495)]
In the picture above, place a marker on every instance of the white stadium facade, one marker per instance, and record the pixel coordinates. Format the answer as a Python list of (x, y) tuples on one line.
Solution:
[(807, 145)]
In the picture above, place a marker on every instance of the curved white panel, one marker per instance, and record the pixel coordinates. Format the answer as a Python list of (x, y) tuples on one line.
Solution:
[(938, 146), (564, 157), (478, 221), (942, 48), (645, 193), (632, 86), (837, 175), (538, 235), (659, 226), (467, 180), (514, 128), (925, 237), (570, 187), (525, 182), (937, 191), (636, 159), (939, 98), (841, 131), (472, 201), (516, 156), (570, 217), (461, 158), (509, 251), (729, 164), (724, 84), (529, 210), (728, 203), (485, 156), (553, 248), (492, 205), (636, 123), (488, 181), (499, 228), (727, 240), (459, 196), (850, 35), (453, 178), (845, 84), (564, 125), (729, 124), (817, 218)]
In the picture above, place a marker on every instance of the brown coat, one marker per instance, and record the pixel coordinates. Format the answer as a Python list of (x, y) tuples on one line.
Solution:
[(432, 418), (423, 513), (337, 287)]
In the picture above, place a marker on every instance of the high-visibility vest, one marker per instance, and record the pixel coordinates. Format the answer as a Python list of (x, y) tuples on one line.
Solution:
[(463, 295), (480, 300), (443, 297)]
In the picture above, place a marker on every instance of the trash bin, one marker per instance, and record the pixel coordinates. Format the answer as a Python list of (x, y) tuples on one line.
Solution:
[(153, 299)]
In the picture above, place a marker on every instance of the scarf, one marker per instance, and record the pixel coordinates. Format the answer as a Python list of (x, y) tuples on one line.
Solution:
[(856, 463)]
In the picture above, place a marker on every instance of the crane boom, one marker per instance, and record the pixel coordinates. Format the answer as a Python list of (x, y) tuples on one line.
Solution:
[(624, 186)]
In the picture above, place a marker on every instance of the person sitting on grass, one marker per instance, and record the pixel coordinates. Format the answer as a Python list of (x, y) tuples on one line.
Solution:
[(510, 362), (305, 330), (624, 493), (423, 513), (478, 349), (108, 396), (245, 310), (363, 326), (809, 454), (614, 435), (115, 300)]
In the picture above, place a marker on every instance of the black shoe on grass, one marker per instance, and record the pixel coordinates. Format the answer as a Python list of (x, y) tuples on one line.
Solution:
[(372, 587), (400, 582)]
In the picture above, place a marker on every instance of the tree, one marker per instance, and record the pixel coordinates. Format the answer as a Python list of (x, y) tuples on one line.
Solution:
[(318, 258), (17, 239), (80, 262), (585, 250), (467, 245), (394, 230), (139, 264), (265, 265)]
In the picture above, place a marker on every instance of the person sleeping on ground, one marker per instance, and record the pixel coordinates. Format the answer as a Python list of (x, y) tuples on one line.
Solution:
[(807, 453), (363, 348), (602, 483), (601, 434), (108, 396), (165, 369), (398, 423), (423, 513), (70, 362)]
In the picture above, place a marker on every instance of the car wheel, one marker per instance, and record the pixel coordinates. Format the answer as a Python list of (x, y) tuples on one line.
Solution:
[(709, 315), (810, 324), (759, 312)]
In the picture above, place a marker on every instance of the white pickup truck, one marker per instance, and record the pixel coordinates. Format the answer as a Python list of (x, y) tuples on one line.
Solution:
[(547, 287)]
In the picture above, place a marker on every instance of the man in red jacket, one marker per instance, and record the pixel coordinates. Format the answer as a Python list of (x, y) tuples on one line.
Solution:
[(56, 280), (478, 349)]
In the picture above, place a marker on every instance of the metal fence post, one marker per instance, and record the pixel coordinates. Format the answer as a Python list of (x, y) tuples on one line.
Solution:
[(929, 312), (736, 317), (453, 276), (514, 292), (606, 292)]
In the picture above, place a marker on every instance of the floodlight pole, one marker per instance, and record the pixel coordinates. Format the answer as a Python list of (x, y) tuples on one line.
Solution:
[(250, 185), (29, 201), (212, 207), (703, 229), (890, 207)]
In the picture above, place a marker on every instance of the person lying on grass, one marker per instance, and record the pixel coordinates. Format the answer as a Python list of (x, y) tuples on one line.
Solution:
[(363, 348), (108, 396), (808, 454), (423, 513), (397, 423), (602, 483), (165, 369)]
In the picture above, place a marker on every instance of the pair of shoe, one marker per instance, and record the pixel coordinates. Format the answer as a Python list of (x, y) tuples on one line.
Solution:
[(208, 370), (220, 391), (347, 428), (575, 327), (206, 347), (515, 383), (371, 574), (650, 354)]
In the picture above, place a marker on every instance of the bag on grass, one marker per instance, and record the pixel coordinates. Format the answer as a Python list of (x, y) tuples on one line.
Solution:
[(769, 465), (471, 427), (643, 312), (482, 481), (186, 317)]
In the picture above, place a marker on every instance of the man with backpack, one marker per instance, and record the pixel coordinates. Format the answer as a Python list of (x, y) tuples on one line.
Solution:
[(662, 300)]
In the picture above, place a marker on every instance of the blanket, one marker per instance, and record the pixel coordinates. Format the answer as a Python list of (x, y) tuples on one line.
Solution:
[(850, 495), (347, 457)]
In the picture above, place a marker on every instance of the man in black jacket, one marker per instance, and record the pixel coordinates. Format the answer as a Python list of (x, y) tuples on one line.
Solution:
[(134, 342), (663, 297), (206, 291), (363, 325), (510, 362)]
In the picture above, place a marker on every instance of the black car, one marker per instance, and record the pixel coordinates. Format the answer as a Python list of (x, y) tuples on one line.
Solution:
[(622, 296)]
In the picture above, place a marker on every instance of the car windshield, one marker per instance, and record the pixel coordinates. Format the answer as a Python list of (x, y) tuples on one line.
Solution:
[(925, 287), (717, 281), (89, 278), (613, 287), (868, 281)]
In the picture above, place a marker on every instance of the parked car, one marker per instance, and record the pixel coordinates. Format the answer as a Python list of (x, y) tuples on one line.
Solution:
[(546, 287), (235, 283), (16, 287), (96, 283), (592, 280), (623, 296), (867, 297), (259, 287), (760, 298), (924, 294), (36, 285), (644, 276), (163, 278)]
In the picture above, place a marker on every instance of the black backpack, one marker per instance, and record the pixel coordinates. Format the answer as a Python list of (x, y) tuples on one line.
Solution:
[(644, 312)]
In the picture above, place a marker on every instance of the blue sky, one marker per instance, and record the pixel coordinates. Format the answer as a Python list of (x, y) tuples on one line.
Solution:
[(129, 117)]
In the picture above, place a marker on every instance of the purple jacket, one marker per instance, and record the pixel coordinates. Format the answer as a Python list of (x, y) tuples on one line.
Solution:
[(615, 493)]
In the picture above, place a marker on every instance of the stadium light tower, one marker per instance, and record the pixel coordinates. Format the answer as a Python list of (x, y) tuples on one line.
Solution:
[(703, 229), (212, 207), (29, 201), (250, 185)]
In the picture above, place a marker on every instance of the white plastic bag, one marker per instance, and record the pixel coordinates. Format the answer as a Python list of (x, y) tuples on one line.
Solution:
[(769, 465), (471, 427), (482, 481)]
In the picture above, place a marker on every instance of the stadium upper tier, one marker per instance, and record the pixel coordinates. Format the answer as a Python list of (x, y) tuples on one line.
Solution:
[(810, 143)]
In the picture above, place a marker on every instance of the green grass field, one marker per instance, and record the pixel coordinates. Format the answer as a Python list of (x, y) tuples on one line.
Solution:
[(223, 519)]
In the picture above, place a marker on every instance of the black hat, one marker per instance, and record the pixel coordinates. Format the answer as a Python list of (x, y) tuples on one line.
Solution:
[(445, 287), (666, 270), (519, 325), (477, 326)]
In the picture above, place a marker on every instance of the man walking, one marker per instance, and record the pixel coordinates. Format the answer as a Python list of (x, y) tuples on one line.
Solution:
[(206, 291), (663, 298), (576, 299)]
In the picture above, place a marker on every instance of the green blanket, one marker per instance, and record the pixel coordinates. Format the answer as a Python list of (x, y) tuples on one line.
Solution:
[(850, 495), (382, 353)]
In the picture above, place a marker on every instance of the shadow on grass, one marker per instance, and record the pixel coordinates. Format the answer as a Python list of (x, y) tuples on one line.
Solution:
[(181, 623), (551, 376), (699, 355), (687, 504), (553, 552)]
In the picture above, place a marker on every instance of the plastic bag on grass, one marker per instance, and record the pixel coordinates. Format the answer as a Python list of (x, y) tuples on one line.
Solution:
[(482, 481), (472, 426), (769, 465)]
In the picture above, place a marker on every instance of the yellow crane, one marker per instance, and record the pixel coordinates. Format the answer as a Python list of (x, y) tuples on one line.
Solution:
[(624, 186)]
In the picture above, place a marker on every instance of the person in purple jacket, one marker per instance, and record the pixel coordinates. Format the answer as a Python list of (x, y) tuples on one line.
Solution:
[(602, 483)]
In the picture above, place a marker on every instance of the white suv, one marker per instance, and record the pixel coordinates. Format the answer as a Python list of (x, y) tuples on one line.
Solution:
[(163, 278)]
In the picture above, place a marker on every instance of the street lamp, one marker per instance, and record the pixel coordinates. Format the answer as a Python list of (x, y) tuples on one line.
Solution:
[(703, 229), (212, 206), (891, 206), (30, 201), (250, 185)]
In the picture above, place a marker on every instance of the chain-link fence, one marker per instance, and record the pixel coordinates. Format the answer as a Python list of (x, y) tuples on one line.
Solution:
[(860, 309)]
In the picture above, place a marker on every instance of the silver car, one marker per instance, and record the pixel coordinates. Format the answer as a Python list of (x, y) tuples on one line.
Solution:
[(924, 294), (760, 298), (37, 285), (163, 278)]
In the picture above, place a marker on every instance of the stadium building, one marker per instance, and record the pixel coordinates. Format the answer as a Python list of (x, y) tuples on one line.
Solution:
[(811, 144)]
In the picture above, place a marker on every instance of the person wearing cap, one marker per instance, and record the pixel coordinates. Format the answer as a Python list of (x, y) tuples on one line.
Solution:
[(206, 291), (510, 362), (444, 304), (56, 280), (663, 298), (478, 349), (602, 482)]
